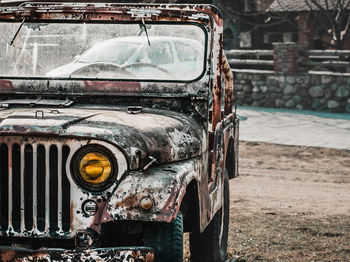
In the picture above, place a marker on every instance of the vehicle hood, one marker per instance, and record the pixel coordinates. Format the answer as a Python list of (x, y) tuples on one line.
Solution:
[(66, 70), (165, 135)]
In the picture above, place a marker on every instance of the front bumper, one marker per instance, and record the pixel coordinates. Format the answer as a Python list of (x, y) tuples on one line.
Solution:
[(118, 254)]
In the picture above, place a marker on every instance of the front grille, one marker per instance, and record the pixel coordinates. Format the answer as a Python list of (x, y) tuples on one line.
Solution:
[(35, 191)]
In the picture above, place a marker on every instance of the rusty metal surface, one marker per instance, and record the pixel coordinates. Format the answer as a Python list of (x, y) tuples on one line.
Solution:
[(163, 134), (198, 14), (76, 218), (161, 149), (228, 105), (128, 254), (111, 12), (164, 184), (18, 2), (66, 87), (217, 53)]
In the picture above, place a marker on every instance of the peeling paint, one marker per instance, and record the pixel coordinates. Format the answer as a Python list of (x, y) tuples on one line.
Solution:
[(161, 137), (135, 254)]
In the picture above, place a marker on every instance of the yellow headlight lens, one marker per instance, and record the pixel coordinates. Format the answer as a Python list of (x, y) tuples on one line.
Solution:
[(95, 168)]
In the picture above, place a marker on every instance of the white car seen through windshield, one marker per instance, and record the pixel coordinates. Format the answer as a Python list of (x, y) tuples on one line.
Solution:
[(169, 52), (130, 57)]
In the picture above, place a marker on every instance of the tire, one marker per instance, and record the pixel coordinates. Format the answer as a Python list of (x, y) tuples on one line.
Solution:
[(166, 239), (211, 245)]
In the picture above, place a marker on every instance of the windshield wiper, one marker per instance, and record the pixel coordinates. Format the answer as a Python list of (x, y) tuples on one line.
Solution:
[(35, 102), (145, 28), (19, 29)]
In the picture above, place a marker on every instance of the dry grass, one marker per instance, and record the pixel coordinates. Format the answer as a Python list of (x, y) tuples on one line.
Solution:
[(289, 204), (278, 237)]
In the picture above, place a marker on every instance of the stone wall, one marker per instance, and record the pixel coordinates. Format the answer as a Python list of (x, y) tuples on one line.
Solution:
[(289, 58), (291, 84), (325, 92)]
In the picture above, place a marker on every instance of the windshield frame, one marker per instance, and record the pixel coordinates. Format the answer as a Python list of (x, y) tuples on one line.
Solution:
[(201, 26)]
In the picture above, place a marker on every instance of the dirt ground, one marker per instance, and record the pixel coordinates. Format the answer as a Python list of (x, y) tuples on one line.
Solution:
[(290, 203)]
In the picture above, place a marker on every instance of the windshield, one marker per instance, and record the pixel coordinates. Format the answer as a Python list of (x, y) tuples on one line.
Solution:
[(110, 51), (102, 51)]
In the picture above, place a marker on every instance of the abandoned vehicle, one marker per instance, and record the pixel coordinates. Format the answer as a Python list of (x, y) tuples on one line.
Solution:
[(117, 132)]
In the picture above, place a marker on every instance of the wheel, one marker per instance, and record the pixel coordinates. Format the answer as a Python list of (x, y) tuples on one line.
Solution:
[(166, 239), (211, 245)]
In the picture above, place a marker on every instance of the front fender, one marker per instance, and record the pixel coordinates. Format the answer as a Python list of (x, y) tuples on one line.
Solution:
[(165, 185)]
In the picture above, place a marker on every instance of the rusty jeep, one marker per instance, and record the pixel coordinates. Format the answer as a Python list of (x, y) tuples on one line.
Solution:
[(117, 132)]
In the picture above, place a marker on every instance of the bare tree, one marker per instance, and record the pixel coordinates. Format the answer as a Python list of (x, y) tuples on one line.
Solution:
[(330, 16)]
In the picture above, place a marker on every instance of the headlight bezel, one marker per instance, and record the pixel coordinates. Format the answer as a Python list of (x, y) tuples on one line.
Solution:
[(77, 176)]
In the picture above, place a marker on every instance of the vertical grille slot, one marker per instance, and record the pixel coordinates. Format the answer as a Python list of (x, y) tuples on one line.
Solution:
[(28, 187), (65, 192), (34, 187), (40, 182), (53, 197), (4, 186), (16, 187)]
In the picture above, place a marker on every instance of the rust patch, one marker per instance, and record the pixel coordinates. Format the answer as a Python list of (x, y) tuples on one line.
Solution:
[(228, 86), (129, 202), (8, 255), (128, 254), (6, 85), (102, 215), (107, 86), (149, 257), (172, 197), (214, 13)]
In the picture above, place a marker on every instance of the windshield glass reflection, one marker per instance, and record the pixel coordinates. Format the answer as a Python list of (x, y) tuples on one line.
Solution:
[(102, 51)]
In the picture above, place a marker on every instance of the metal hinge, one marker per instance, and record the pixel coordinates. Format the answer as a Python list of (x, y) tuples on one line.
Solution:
[(143, 13)]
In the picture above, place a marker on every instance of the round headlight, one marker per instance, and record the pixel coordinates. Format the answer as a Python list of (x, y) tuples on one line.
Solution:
[(94, 168)]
